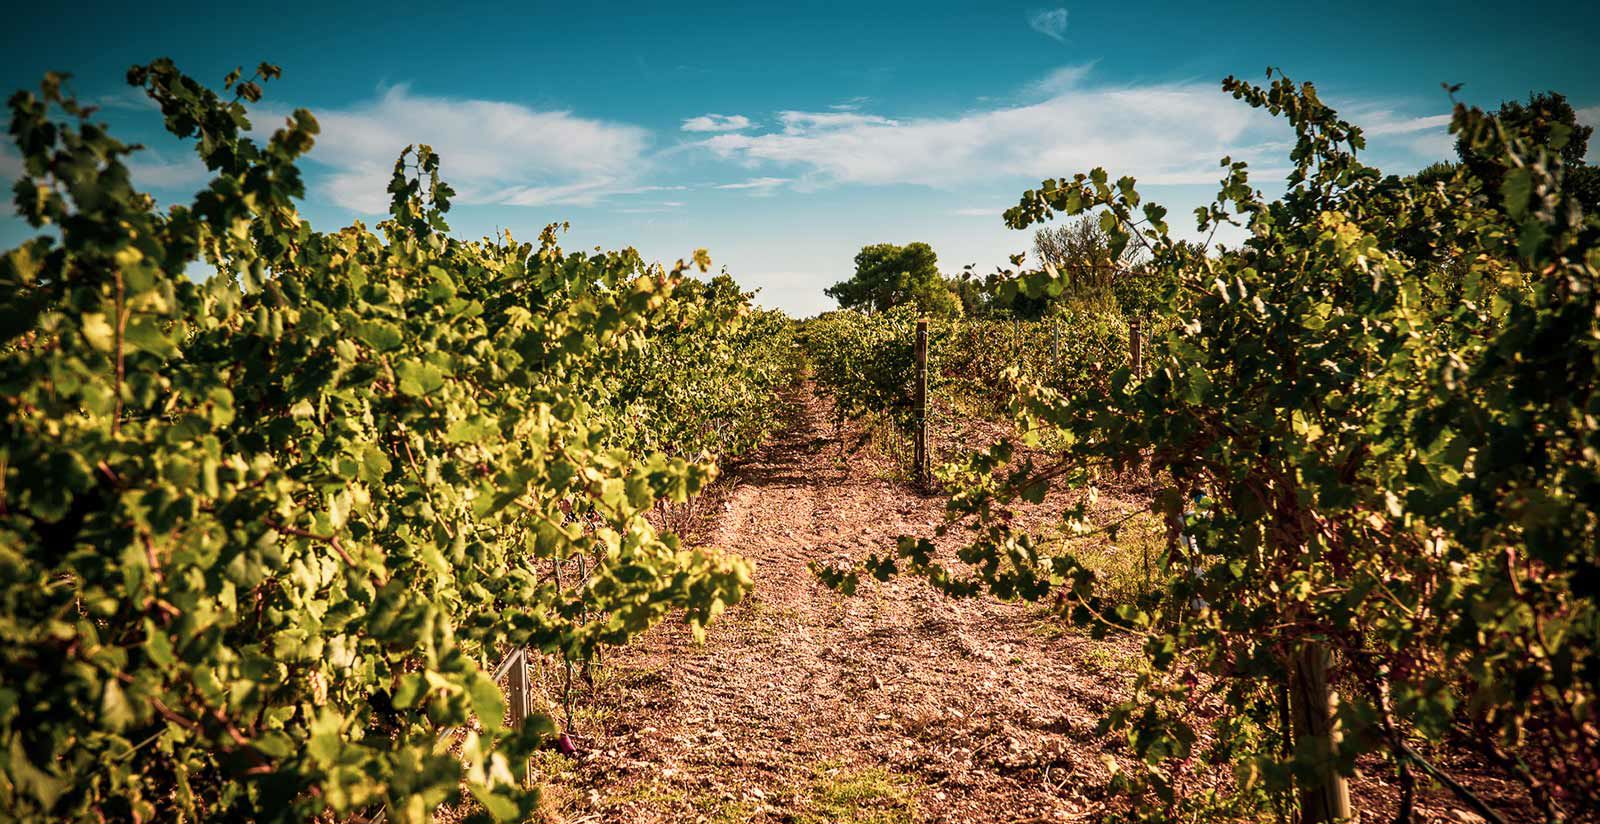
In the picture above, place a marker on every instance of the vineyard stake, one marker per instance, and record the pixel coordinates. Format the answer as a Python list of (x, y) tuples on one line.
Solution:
[(1325, 798), (920, 435), (1136, 346), (1055, 344), (1016, 340), (517, 698)]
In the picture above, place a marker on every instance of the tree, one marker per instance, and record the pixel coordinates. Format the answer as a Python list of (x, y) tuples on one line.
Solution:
[(1093, 274), (1548, 121), (975, 299), (888, 275)]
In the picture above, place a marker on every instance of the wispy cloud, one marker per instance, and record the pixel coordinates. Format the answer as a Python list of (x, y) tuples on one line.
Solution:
[(1165, 133), (1051, 23), (153, 170), (492, 152), (757, 185), (1400, 142), (1169, 133), (127, 98), (717, 123), (1062, 79), (1385, 122), (803, 122)]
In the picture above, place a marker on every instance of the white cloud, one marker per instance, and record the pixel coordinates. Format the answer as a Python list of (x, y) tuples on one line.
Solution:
[(1433, 147), (1384, 122), (757, 185), (1051, 23), (1171, 133), (1590, 116), (130, 98), (1396, 142), (802, 122), (151, 170), (582, 193), (979, 211), (1061, 80), (717, 123), (491, 152)]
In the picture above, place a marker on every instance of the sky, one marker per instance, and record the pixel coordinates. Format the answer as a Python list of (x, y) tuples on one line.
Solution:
[(784, 137)]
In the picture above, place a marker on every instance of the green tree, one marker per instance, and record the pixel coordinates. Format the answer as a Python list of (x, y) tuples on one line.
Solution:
[(975, 299), (888, 275), (1547, 121)]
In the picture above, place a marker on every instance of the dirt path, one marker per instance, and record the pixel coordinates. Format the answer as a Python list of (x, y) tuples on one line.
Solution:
[(897, 704)]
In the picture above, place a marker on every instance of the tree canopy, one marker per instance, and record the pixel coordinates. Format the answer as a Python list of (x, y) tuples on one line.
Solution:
[(888, 275), (1547, 121)]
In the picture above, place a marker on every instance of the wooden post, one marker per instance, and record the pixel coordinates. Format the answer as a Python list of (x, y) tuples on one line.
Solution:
[(1326, 798), (1055, 349), (1016, 340), (517, 699), (1136, 347), (920, 449)]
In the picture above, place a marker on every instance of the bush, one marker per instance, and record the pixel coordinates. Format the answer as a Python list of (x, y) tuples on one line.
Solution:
[(262, 535)]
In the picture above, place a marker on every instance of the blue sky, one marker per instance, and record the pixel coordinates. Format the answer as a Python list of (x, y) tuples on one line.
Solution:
[(783, 138)]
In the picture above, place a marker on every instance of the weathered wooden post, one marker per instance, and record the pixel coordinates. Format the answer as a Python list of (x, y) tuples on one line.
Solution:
[(1136, 346), (517, 699), (1325, 798), (1016, 340), (1054, 371), (920, 435)]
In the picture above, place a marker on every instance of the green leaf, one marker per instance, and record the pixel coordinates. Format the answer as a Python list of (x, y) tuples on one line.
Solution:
[(488, 704), (383, 337), (1517, 188), (115, 711)]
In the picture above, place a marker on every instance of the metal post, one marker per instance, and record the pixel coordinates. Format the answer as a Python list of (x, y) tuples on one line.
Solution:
[(920, 450)]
